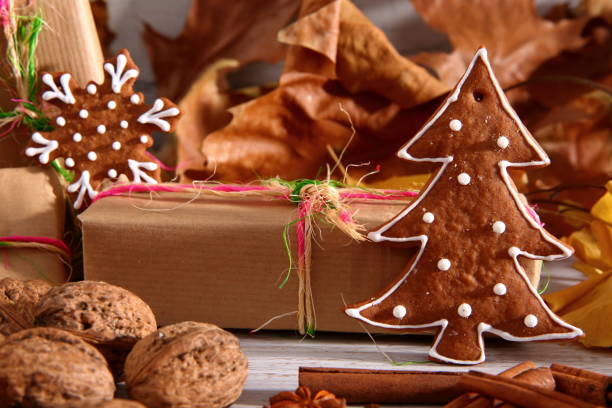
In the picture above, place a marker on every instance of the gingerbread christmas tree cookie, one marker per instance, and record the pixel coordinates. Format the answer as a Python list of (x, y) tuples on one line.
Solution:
[(102, 130), (471, 229)]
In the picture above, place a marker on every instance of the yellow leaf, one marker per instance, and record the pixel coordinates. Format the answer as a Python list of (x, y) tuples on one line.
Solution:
[(413, 182), (603, 236), (602, 209), (586, 248), (588, 270), (588, 306)]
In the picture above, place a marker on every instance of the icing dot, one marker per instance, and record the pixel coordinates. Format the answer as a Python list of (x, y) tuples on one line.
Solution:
[(116, 145), (101, 129), (123, 124), (428, 217), (514, 251), (503, 142), (92, 156), (464, 179), (530, 320), (91, 89), (444, 264), (464, 310), (499, 227), (144, 139), (112, 173), (77, 137), (455, 125), (500, 289), (135, 98), (111, 105), (399, 312), (60, 121), (83, 114), (69, 162)]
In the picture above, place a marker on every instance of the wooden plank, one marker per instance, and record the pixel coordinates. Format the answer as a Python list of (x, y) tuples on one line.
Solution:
[(274, 357)]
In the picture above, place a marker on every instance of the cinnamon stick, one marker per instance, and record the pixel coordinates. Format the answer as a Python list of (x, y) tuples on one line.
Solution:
[(582, 384), (519, 393), (383, 386), (478, 401), (539, 377)]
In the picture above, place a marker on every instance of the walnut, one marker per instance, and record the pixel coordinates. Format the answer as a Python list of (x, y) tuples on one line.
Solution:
[(186, 364), (18, 299), (110, 317), (302, 398), (45, 367), (116, 403)]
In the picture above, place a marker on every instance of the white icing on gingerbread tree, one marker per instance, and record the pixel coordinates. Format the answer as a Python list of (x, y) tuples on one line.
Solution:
[(101, 130), (471, 227)]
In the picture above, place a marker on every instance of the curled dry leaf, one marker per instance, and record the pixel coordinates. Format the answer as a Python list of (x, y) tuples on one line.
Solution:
[(206, 108), (215, 29), (518, 40), (348, 76), (286, 132), (558, 81), (347, 46), (578, 139)]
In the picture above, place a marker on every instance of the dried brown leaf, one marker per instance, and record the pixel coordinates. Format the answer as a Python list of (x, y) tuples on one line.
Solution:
[(286, 132), (578, 139), (243, 30), (206, 110), (557, 81), (517, 39), (348, 47), (340, 72), (99, 10)]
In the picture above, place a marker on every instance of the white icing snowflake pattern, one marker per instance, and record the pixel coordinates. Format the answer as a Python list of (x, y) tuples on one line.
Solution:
[(156, 115), (109, 144)]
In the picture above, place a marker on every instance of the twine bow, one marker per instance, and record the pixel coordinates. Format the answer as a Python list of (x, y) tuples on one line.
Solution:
[(313, 198)]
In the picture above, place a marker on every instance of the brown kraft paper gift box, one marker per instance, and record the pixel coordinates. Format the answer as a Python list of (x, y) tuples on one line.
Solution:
[(222, 260), (32, 204), (68, 42)]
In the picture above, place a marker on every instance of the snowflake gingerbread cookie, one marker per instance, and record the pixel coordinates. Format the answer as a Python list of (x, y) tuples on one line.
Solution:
[(472, 229), (103, 130)]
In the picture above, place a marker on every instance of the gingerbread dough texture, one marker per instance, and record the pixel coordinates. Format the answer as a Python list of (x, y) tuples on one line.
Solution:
[(45, 367), (472, 230), (187, 364)]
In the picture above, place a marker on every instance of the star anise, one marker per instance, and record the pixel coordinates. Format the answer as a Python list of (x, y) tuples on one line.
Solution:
[(302, 398)]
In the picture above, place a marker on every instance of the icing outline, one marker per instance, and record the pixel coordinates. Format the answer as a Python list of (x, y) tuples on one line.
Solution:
[(514, 252)]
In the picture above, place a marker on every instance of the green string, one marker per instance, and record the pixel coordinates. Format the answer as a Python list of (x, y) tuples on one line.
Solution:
[(35, 29), (287, 246), (547, 282), (67, 175), (406, 363)]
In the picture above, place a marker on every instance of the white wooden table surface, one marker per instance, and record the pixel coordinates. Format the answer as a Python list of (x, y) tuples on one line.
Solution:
[(274, 357)]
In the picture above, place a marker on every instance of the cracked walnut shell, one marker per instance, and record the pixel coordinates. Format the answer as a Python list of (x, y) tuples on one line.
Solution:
[(45, 367), (18, 299), (110, 317), (186, 364)]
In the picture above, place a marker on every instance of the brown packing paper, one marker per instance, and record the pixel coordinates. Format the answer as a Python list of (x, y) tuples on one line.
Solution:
[(221, 260), (33, 205), (67, 43)]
